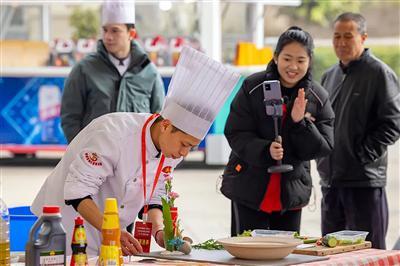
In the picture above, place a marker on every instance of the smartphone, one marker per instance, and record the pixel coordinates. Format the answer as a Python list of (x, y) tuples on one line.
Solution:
[(273, 97)]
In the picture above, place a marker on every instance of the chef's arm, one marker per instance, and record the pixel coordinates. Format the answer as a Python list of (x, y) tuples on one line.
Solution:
[(88, 209), (91, 213), (156, 218)]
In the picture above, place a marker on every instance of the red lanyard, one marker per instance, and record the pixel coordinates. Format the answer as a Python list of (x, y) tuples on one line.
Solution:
[(144, 165)]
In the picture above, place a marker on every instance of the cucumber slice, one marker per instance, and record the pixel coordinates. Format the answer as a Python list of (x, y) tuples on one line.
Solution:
[(329, 241), (310, 240)]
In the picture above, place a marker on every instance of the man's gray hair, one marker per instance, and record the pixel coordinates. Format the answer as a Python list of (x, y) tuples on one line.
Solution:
[(357, 18)]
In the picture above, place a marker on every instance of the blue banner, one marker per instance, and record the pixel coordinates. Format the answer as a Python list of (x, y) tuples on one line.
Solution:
[(30, 110)]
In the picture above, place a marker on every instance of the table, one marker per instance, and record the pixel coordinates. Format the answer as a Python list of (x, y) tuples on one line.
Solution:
[(365, 257)]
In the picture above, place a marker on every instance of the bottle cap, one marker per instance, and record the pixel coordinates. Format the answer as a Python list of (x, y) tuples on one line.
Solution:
[(78, 221), (111, 205), (51, 209)]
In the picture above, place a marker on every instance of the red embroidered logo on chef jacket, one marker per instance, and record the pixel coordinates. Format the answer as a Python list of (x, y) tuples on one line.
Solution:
[(167, 170), (93, 158)]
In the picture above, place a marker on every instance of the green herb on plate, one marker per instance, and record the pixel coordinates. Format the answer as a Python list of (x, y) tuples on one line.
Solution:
[(209, 244), (245, 233)]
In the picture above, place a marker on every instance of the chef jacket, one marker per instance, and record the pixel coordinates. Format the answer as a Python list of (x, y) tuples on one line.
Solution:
[(104, 161)]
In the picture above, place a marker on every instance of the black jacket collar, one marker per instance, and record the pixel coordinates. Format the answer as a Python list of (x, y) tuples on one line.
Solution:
[(353, 64)]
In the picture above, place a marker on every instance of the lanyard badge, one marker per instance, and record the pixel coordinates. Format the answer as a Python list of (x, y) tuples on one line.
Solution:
[(143, 235), (143, 229)]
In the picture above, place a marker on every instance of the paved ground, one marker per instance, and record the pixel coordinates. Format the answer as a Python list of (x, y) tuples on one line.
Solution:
[(204, 212)]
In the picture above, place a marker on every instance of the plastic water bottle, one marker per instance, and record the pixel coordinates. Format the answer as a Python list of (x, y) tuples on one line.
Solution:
[(4, 234), (49, 112)]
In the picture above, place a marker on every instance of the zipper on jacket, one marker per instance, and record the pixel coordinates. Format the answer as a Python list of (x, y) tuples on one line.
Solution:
[(338, 88)]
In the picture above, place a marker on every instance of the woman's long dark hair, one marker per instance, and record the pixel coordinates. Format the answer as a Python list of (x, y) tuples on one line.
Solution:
[(295, 34)]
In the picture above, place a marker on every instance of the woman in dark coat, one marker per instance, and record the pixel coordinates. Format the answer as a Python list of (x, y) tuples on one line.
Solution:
[(274, 201)]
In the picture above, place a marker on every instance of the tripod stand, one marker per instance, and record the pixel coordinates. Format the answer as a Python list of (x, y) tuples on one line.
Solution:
[(276, 112)]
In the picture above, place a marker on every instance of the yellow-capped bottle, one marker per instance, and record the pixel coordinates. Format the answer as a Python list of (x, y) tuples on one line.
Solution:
[(110, 250)]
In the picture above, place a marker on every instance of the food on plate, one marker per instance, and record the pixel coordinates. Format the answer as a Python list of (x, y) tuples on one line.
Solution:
[(209, 244)]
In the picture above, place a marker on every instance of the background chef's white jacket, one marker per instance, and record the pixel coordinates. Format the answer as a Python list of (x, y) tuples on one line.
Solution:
[(116, 140)]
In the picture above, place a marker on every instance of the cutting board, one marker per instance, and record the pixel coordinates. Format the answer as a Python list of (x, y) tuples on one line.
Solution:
[(223, 257), (323, 251)]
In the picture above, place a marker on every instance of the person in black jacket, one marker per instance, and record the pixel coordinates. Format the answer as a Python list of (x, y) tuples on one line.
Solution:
[(365, 96), (274, 201)]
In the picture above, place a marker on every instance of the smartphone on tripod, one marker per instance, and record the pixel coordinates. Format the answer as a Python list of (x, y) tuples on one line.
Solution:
[(273, 97)]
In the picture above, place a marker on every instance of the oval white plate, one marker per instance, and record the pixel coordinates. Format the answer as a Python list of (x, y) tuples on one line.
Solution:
[(259, 248)]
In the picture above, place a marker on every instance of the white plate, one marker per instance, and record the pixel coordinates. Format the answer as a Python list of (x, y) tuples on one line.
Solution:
[(259, 248)]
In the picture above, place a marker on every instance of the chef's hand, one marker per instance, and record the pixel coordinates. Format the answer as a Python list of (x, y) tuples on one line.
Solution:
[(276, 149), (129, 244), (299, 106), (159, 237)]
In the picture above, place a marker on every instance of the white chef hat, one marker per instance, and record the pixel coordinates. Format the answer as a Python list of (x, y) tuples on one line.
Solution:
[(118, 11), (198, 89)]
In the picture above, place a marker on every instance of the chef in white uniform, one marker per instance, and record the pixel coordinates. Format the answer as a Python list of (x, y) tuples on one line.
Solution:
[(107, 158)]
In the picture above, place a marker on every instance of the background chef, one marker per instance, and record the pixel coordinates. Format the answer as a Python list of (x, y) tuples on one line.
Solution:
[(118, 77)]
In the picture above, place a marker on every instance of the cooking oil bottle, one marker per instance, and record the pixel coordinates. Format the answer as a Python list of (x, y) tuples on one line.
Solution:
[(47, 240), (4, 234)]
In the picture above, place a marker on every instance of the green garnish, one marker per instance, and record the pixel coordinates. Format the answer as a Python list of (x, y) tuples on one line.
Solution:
[(306, 240), (209, 244), (245, 233)]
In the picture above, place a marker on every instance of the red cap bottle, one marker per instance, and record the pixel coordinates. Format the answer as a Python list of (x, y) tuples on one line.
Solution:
[(79, 244)]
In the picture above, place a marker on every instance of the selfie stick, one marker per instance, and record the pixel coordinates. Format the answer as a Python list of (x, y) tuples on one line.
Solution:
[(277, 107)]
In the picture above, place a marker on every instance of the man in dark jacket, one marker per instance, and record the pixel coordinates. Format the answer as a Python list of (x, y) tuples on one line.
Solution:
[(365, 96), (117, 78)]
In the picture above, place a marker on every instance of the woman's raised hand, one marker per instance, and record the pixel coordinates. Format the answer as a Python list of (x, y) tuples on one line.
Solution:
[(299, 106)]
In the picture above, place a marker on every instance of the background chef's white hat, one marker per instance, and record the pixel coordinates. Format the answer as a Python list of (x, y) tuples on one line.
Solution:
[(119, 12), (198, 89)]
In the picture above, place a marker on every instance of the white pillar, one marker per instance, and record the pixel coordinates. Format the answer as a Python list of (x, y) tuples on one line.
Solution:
[(256, 20), (45, 23), (7, 13), (210, 28)]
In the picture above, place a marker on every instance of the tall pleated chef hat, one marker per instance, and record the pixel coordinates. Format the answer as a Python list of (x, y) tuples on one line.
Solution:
[(198, 89), (118, 12)]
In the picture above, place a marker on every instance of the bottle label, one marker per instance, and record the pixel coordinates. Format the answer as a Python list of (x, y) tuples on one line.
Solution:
[(52, 257), (110, 262), (80, 235), (109, 255), (80, 259)]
